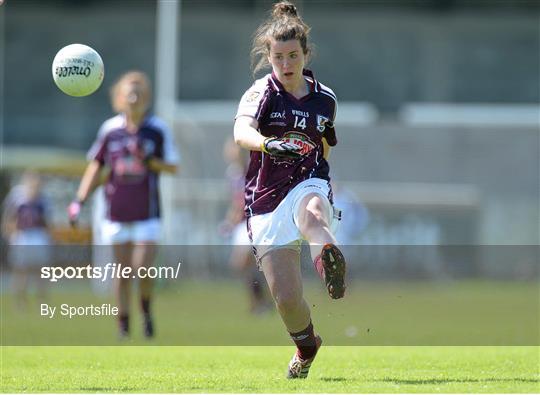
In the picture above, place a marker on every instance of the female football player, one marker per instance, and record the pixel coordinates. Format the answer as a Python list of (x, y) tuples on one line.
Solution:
[(286, 120), (25, 227), (136, 146)]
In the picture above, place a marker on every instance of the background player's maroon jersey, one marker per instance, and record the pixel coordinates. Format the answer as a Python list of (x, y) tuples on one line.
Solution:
[(303, 121), (132, 189), (28, 213)]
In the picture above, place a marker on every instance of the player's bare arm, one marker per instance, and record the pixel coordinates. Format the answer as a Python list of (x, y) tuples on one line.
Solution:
[(246, 134), (326, 149), (9, 224), (89, 180), (157, 165)]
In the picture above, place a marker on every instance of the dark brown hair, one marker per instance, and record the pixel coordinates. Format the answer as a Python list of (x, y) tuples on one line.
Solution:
[(284, 24)]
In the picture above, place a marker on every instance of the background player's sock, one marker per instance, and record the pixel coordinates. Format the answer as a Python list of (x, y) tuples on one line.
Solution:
[(256, 288), (148, 325), (305, 342), (123, 324), (145, 306)]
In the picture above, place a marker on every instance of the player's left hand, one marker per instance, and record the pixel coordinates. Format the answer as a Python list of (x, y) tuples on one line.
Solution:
[(279, 147), (74, 211)]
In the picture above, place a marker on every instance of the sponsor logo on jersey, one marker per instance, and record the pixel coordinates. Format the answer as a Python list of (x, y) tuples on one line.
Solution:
[(280, 115), (115, 146), (323, 122), (304, 114), (300, 139)]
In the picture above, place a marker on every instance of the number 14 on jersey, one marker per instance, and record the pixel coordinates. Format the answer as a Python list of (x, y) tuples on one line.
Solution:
[(299, 123)]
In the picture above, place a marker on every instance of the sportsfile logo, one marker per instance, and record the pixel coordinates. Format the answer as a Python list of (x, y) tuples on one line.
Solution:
[(107, 272)]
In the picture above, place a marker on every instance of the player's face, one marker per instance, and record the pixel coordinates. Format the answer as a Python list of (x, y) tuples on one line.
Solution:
[(287, 59), (32, 183), (134, 97)]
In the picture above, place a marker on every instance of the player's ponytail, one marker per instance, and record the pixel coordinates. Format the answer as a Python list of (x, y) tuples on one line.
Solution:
[(284, 24), (284, 8)]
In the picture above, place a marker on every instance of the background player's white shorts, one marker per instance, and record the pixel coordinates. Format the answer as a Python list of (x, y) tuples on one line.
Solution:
[(240, 235), (279, 229), (30, 248), (137, 231)]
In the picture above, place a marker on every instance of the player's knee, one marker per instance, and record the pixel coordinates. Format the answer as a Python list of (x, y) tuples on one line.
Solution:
[(312, 219), (314, 210)]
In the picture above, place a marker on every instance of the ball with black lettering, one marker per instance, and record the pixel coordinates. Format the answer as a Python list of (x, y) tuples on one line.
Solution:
[(78, 70)]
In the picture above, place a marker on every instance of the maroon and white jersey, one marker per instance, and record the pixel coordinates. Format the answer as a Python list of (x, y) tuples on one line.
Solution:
[(28, 213), (302, 121), (131, 190)]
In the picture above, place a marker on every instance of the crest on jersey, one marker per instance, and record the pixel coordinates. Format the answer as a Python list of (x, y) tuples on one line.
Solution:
[(322, 122), (252, 96)]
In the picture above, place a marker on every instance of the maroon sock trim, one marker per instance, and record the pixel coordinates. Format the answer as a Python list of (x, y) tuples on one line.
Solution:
[(123, 322), (145, 306), (305, 342)]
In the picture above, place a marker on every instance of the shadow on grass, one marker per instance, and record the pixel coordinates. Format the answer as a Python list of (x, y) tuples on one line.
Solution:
[(444, 381), (333, 379)]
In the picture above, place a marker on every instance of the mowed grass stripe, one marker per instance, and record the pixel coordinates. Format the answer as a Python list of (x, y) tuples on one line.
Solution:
[(262, 369)]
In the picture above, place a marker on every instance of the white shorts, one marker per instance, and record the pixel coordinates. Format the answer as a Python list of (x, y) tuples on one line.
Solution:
[(30, 248), (137, 231), (279, 229)]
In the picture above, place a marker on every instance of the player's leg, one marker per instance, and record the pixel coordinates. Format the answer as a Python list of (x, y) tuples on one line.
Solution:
[(314, 219), (243, 262), (262, 301), (281, 268), (313, 216), (18, 257), (144, 253), (122, 287), (19, 285), (40, 283)]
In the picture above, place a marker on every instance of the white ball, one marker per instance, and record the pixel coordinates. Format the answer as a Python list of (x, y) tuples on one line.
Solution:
[(78, 70)]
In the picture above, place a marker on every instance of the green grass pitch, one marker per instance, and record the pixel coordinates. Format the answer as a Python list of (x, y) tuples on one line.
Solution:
[(208, 343), (262, 369)]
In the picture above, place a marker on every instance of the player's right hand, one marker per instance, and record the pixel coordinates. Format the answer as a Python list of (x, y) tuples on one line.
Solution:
[(74, 211), (279, 147)]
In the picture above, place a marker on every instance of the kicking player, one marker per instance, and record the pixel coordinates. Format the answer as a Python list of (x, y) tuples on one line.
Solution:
[(286, 120), (136, 146)]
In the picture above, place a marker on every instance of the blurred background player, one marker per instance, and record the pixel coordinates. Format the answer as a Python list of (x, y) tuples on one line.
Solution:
[(234, 226), (136, 146), (355, 215), (24, 226), (286, 120)]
